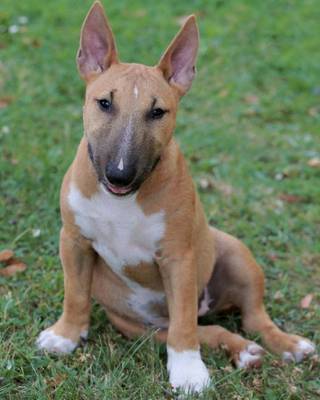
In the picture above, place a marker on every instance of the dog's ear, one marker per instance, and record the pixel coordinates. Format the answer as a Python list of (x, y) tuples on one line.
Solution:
[(178, 61), (97, 49)]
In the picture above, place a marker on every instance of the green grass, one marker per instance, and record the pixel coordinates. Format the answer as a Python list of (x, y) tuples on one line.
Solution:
[(250, 123)]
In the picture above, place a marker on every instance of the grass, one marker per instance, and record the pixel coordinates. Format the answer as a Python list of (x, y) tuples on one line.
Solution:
[(248, 128)]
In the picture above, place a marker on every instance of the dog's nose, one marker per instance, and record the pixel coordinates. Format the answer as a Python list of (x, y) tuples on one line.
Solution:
[(118, 175)]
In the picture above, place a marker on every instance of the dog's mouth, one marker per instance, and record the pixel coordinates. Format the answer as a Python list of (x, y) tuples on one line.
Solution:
[(118, 190)]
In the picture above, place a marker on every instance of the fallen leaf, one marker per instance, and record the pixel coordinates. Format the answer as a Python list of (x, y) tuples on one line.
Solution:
[(227, 368), (251, 112), (291, 198), (293, 389), (279, 176), (13, 29), (272, 256), (251, 99), (315, 361), (306, 301), (278, 295), (257, 383), (5, 130), (23, 20), (314, 111), (36, 232), (205, 184), (5, 101), (33, 42), (208, 183), (223, 187), (277, 363), (6, 255), (55, 381), (14, 161), (314, 162), (223, 93), (12, 269)]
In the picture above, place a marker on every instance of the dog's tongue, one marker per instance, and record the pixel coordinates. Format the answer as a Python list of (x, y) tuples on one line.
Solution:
[(117, 189)]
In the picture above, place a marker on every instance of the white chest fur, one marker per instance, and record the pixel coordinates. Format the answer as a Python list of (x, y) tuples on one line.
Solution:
[(122, 235), (120, 231)]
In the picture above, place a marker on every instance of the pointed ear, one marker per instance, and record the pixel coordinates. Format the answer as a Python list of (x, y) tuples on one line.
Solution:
[(178, 61), (97, 49)]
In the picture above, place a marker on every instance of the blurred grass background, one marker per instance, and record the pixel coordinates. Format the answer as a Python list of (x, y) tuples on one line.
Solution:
[(250, 129)]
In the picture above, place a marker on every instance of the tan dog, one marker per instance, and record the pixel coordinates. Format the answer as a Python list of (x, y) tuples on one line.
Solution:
[(134, 233)]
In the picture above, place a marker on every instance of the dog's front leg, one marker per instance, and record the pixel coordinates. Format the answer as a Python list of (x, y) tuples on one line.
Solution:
[(185, 366), (77, 259)]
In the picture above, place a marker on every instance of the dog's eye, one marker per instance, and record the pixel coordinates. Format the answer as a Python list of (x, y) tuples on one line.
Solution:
[(157, 113), (105, 104)]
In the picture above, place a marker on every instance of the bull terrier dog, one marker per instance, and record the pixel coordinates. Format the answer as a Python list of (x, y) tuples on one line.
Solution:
[(135, 236)]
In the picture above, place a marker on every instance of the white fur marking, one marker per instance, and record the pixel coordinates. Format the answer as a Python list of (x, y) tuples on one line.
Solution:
[(49, 341), (120, 165), (250, 356), (122, 235), (135, 91), (204, 305), (125, 144), (303, 349), (187, 371), (84, 335)]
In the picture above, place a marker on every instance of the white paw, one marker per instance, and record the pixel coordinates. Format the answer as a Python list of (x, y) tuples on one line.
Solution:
[(84, 334), (187, 371), (303, 349), (250, 357), (49, 341)]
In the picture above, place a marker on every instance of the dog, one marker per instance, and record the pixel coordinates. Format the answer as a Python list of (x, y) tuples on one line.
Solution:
[(135, 236)]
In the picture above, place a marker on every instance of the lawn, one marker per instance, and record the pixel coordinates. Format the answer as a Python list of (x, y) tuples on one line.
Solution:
[(250, 129)]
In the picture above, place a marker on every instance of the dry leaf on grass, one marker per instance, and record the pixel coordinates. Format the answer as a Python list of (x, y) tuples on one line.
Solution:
[(6, 255), (278, 295), (291, 198), (306, 301), (272, 256), (224, 188), (207, 184), (5, 101), (314, 162), (12, 269), (251, 99), (12, 264), (223, 93), (314, 111)]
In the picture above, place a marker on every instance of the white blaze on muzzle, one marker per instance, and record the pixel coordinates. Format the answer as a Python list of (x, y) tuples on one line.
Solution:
[(120, 165)]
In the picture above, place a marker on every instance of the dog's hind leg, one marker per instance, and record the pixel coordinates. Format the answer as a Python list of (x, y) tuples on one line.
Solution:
[(244, 353), (238, 280)]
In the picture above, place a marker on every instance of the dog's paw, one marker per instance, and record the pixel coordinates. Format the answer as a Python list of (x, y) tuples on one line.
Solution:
[(302, 349), (187, 371), (49, 341), (250, 357)]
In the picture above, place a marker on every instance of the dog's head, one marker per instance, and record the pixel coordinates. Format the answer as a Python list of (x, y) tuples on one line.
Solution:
[(130, 109)]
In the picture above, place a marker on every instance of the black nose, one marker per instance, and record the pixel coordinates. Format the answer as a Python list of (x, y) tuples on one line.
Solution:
[(120, 175)]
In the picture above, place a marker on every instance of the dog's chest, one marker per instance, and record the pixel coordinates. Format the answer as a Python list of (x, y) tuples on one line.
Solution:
[(120, 231)]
